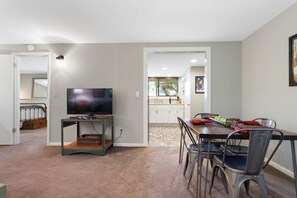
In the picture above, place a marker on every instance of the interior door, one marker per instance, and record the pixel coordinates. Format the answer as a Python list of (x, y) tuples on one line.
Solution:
[(6, 99)]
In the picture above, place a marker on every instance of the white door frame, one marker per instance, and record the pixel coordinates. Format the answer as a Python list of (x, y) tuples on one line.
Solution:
[(7, 123), (17, 93), (207, 95)]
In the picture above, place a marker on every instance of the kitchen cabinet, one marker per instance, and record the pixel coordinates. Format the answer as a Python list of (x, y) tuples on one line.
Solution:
[(165, 113)]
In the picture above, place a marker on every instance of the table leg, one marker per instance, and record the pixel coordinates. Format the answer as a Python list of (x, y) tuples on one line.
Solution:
[(294, 164), (198, 183), (77, 129), (62, 137), (181, 148), (207, 160)]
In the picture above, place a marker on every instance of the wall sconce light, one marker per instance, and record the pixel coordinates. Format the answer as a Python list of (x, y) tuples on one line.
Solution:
[(60, 57)]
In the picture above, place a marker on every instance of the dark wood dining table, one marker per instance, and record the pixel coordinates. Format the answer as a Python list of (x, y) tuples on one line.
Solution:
[(218, 131)]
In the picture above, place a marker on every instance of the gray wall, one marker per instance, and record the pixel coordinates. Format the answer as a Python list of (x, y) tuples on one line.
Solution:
[(26, 87), (120, 66), (266, 91), (197, 100)]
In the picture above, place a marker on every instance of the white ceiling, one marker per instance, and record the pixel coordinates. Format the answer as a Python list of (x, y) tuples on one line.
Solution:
[(172, 64), (33, 65), (133, 21)]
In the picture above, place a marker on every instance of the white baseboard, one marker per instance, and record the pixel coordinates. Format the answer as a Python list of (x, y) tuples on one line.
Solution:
[(57, 143), (282, 169), (130, 144)]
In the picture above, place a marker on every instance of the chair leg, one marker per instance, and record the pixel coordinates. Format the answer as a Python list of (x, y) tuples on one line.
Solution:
[(181, 146), (186, 164), (224, 181), (182, 152), (211, 162), (262, 185), (233, 182), (214, 171), (247, 186), (191, 172), (233, 191)]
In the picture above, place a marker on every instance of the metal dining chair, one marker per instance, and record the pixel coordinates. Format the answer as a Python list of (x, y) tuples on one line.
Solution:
[(240, 169), (195, 151), (181, 146), (205, 115), (237, 148)]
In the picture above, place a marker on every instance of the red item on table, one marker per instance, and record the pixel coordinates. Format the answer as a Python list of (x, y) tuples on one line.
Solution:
[(200, 121), (236, 128), (251, 122)]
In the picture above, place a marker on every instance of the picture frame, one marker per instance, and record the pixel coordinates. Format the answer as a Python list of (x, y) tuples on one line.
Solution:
[(199, 84), (293, 60)]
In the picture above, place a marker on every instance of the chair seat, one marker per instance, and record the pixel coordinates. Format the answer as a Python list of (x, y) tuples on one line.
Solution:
[(235, 149), (217, 142), (233, 162), (212, 148)]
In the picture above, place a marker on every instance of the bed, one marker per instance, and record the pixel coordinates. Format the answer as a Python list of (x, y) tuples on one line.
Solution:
[(33, 115)]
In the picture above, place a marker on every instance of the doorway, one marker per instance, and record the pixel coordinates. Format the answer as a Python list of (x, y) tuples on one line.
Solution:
[(183, 88), (32, 84)]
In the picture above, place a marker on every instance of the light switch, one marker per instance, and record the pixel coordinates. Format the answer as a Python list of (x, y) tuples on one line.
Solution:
[(137, 94)]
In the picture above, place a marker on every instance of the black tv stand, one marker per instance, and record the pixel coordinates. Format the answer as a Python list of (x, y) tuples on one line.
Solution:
[(87, 117)]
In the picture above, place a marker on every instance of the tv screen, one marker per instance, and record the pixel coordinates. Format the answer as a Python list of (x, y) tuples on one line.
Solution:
[(89, 101)]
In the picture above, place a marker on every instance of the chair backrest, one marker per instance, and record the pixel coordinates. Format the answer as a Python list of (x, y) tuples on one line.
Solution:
[(203, 115), (267, 122), (259, 139), (186, 133)]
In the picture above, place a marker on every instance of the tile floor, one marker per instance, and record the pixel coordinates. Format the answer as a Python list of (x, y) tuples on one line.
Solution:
[(164, 135)]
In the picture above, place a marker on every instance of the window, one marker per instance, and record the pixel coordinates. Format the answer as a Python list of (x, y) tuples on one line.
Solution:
[(163, 86), (152, 83)]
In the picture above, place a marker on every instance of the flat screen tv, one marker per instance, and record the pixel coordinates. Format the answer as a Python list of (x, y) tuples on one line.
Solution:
[(89, 101)]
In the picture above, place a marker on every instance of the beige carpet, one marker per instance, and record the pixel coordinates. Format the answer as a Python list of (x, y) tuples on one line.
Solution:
[(32, 169)]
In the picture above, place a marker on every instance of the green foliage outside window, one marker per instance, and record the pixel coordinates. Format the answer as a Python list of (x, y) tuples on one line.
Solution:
[(166, 86)]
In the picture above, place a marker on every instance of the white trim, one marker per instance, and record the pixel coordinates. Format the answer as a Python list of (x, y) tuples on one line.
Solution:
[(16, 102), (207, 70), (207, 95), (30, 53), (49, 74), (55, 143), (35, 54), (130, 144), (145, 96), (282, 169)]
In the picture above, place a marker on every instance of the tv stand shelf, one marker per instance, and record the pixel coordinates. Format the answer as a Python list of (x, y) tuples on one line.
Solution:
[(106, 121)]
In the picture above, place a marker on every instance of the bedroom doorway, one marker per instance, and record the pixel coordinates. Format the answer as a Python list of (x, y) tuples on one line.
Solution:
[(32, 90)]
